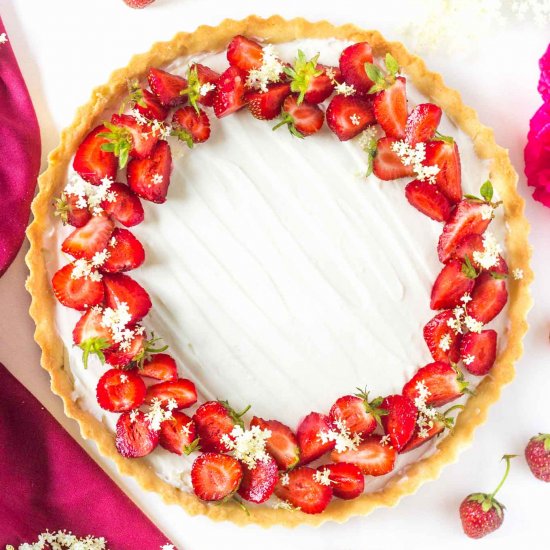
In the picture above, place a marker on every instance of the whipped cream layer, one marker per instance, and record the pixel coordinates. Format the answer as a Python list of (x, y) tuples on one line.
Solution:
[(280, 275)]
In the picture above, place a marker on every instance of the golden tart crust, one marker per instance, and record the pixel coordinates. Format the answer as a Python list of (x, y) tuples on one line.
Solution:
[(276, 29)]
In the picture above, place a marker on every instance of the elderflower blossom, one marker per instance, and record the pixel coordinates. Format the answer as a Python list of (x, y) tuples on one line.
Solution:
[(517, 274), (285, 505), (490, 255), (322, 477), (248, 446), (133, 415), (366, 137), (385, 440), (355, 119), (445, 342), (117, 321), (157, 178), (342, 436), (466, 298), (269, 71), (426, 414), (88, 195), (157, 414), (140, 118), (487, 212), (63, 540), (415, 156), (206, 88), (83, 269), (123, 378), (340, 88), (472, 324), (285, 480), (468, 360)]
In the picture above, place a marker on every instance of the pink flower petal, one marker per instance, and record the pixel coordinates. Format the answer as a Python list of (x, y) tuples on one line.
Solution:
[(537, 150), (542, 194), (544, 82)]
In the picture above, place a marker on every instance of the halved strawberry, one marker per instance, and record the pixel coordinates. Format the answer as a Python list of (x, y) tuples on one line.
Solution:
[(119, 391), (149, 178), (372, 457), (304, 492), (178, 434), (478, 351), (78, 293), (244, 54), (444, 153), (309, 439), (86, 241), (302, 119), (347, 481), (122, 357), (400, 421), (191, 126), (360, 415), (198, 77), (160, 366), (282, 445), (125, 252), (134, 436), (167, 87), (182, 391), (267, 105), (443, 382), (488, 297), (386, 164), (128, 137), (126, 208), (319, 87), (348, 116), (229, 96), (438, 426), (90, 335), (422, 123), (451, 284), (92, 163), (258, 483), (69, 211), (467, 246), (120, 288), (215, 476), (309, 79), (352, 65), (147, 104), (443, 342), (390, 108), (426, 198)]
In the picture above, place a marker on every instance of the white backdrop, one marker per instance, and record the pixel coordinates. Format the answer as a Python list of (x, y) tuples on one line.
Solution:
[(66, 47)]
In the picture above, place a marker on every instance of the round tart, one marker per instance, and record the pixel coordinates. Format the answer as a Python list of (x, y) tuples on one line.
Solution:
[(285, 271)]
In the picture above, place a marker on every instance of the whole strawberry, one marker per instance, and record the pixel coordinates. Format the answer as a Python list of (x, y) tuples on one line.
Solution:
[(481, 513), (138, 3), (537, 454)]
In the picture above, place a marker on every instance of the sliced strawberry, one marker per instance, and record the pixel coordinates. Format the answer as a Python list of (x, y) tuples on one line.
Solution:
[(352, 65), (125, 252), (68, 209), (347, 481), (139, 139), (348, 116), (426, 198), (178, 434), (119, 391), (78, 293), (134, 436), (90, 335), (120, 358), (437, 426), (360, 415), (191, 126), (302, 119), (160, 366), (309, 79), (91, 162), (259, 482), (148, 105), (120, 288), (443, 382), (167, 87), (304, 492), (478, 351), (126, 207), (149, 178), (467, 246), (444, 153), (400, 421), (244, 54), (182, 391), (386, 164), (230, 91), (450, 286), (282, 445), (204, 76), (86, 241), (215, 476), (319, 87), (443, 342), (372, 457), (488, 297), (390, 108), (267, 105), (309, 439), (422, 123)]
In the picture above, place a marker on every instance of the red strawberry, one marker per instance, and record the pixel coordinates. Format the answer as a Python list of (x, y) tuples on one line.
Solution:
[(178, 434), (348, 116), (77, 293), (182, 391), (437, 330), (302, 119), (120, 288), (311, 445), (91, 336), (282, 445), (467, 246), (128, 137), (386, 164), (443, 382), (359, 415), (400, 421), (309, 79), (444, 153), (230, 91), (390, 108), (197, 76), (372, 457), (66, 207), (259, 482), (304, 492), (167, 87), (422, 123), (120, 358), (148, 105), (91, 162), (93, 237), (267, 105), (537, 455), (119, 391), (438, 426), (482, 347), (425, 197), (138, 4), (453, 281), (126, 208), (149, 178), (488, 298), (125, 252), (244, 54), (215, 476), (352, 65), (191, 126), (134, 436), (319, 87), (347, 481), (160, 366)]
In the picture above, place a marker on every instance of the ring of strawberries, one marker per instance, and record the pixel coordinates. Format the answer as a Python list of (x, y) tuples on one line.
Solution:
[(360, 436)]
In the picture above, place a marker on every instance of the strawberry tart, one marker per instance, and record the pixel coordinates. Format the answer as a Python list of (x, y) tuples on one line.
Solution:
[(279, 271)]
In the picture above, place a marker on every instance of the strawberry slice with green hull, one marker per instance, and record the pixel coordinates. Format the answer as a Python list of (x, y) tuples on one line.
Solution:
[(258, 483), (478, 351), (191, 125), (488, 297), (308, 79), (426, 198), (86, 241), (267, 105), (178, 434), (400, 421), (120, 391), (303, 491), (120, 358), (182, 391), (204, 76), (282, 445), (438, 426), (127, 137), (372, 456), (215, 476), (352, 66), (134, 436), (77, 293), (422, 123), (386, 164), (160, 366), (148, 105), (230, 92), (90, 335), (360, 415), (167, 87), (69, 212), (453, 281), (444, 153), (91, 162), (126, 208), (390, 109), (302, 119), (309, 440), (474, 243), (442, 341), (120, 288), (319, 87), (244, 54), (347, 481), (125, 252), (348, 116)]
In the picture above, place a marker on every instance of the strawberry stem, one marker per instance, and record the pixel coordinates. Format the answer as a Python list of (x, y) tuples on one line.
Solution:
[(507, 458)]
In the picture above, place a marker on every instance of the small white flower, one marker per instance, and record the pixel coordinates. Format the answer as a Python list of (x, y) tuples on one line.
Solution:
[(206, 87), (445, 342), (415, 156), (322, 477), (355, 119), (270, 70), (385, 440), (466, 298), (285, 505), (490, 255), (487, 212), (248, 446), (468, 360), (133, 415), (341, 435), (157, 178), (157, 414), (123, 378), (473, 325), (285, 480), (517, 274)]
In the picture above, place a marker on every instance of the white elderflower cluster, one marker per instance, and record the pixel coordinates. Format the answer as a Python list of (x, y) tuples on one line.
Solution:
[(248, 446), (285, 505), (341, 435), (415, 156), (445, 342), (461, 318), (340, 88), (517, 274), (62, 540), (117, 321), (206, 88), (490, 255), (157, 414), (487, 212), (270, 70), (426, 414), (468, 360), (322, 477), (285, 479), (90, 196)]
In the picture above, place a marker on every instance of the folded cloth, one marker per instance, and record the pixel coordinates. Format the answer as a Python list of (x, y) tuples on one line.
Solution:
[(19, 154), (48, 482)]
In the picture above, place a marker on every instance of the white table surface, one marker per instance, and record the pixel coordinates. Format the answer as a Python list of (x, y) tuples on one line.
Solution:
[(66, 47)]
